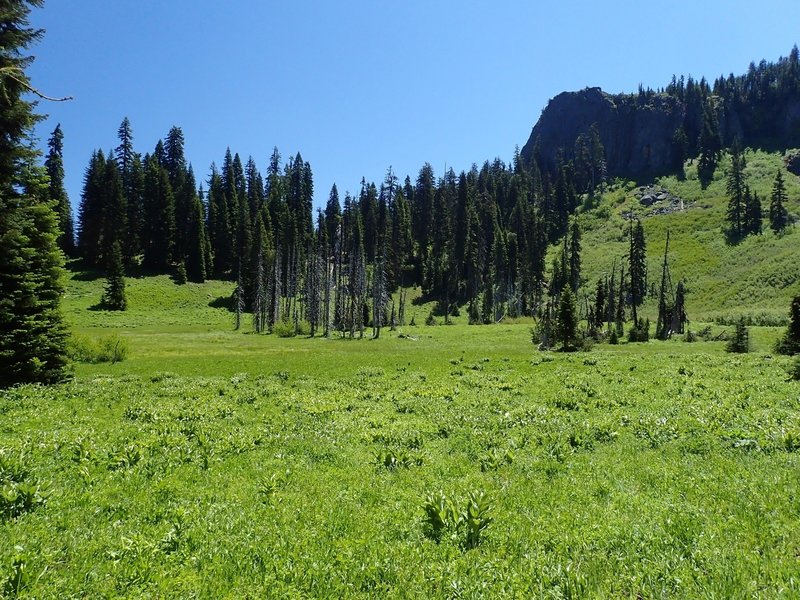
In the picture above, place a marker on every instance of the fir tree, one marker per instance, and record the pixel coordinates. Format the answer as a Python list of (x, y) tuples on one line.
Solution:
[(778, 217), (114, 291), (740, 342), (790, 342), (567, 320), (753, 214), (55, 171), (575, 256), (637, 266), (32, 333), (736, 188)]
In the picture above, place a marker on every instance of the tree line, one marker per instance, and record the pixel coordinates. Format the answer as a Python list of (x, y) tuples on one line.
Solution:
[(478, 237)]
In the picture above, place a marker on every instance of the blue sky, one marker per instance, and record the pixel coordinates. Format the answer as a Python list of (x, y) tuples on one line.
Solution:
[(358, 86)]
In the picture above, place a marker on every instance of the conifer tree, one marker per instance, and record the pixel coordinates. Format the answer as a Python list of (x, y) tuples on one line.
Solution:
[(600, 304), (637, 266), (709, 145), (736, 187), (55, 171), (32, 333), (567, 320), (158, 236), (114, 291), (753, 214), (575, 256), (740, 342), (129, 164), (790, 342), (778, 218)]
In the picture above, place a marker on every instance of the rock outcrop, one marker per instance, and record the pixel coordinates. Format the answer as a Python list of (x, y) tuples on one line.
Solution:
[(638, 130), (637, 138)]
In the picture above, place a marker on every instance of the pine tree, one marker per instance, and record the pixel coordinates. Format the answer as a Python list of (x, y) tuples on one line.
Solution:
[(130, 168), (637, 266), (55, 171), (790, 342), (32, 333), (736, 187), (740, 342), (753, 214), (709, 145), (114, 291), (575, 256), (158, 236), (567, 320), (778, 217), (600, 304)]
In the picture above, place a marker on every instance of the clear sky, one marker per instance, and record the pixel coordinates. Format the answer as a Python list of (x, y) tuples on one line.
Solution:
[(358, 86)]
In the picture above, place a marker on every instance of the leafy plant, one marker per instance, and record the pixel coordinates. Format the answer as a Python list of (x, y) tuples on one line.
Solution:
[(391, 459), (466, 526)]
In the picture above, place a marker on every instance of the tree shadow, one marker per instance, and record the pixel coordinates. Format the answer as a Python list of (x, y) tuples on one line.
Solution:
[(222, 302)]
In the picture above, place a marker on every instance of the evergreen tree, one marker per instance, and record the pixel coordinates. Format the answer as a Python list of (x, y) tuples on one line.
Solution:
[(158, 236), (637, 266), (709, 145), (114, 291), (567, 320), (736, 187), (600, 304), (129, 164), (333, 214), (55, 171), (790, 342), (575, 257), (32, 333), (753, 214), (778, 217), (740, 342), (92, 209)]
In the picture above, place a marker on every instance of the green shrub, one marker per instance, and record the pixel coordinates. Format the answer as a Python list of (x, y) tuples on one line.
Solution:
[(640, 332), (287, 329), (84, 349)]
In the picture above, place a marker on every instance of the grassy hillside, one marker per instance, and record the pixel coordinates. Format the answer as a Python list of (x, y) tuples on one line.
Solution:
[(758, 276)]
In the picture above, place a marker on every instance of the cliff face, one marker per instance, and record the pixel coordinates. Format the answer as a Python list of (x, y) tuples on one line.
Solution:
[(637, 131), (637, 137)]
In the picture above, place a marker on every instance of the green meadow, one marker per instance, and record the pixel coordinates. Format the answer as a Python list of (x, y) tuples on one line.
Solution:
[(435, 462)]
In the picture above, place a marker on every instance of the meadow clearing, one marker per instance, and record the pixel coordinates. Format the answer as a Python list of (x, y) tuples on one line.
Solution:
[(458, 462)]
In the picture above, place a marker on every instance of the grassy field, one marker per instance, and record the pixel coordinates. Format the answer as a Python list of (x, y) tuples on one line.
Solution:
[(212, 463)]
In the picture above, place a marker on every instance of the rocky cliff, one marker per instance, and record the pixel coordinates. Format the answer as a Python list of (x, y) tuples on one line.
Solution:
[(638, 130), (637, 137)]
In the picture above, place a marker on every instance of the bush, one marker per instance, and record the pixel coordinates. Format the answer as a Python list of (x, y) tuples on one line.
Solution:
[(287, 329), (640, 332), (84, 349), (690, 336), (430, 320), (613, 339)]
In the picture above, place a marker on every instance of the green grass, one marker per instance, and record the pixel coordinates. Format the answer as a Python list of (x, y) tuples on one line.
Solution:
[(212, 463)]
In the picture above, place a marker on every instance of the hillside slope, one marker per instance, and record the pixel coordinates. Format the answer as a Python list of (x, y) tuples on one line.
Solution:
[(756, 277)]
